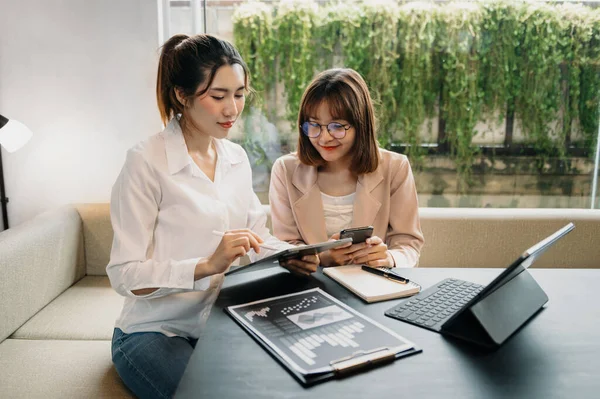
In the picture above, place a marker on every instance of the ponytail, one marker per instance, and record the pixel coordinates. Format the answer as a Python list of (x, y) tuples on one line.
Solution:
[(185, 63), (168, 105)]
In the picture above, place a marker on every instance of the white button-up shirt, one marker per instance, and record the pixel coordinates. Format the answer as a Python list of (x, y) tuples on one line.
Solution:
[(163, 211)]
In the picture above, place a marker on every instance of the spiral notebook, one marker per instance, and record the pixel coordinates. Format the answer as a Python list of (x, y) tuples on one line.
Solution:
[(368, 286)]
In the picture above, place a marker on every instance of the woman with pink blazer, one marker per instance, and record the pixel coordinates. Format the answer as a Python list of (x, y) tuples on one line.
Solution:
[(340, 178)]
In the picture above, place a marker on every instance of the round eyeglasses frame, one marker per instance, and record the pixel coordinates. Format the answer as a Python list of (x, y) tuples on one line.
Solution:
[(330, 126)]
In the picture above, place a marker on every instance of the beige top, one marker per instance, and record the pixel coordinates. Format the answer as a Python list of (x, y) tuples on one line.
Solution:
[(385, 199), (338, 212)]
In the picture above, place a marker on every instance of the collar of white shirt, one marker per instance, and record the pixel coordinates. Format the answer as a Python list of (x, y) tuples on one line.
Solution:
[(177, 153)]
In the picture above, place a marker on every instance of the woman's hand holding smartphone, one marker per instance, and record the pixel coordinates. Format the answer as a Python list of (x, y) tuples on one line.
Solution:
[(358, 234), (365, 249)]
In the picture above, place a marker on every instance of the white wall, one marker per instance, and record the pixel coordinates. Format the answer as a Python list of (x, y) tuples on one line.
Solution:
[(81, 75)]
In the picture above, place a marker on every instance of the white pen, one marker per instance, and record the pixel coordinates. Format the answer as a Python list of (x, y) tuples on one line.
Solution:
[(265, 246)]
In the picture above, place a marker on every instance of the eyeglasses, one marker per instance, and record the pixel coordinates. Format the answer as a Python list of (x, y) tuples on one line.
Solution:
[(313, 129)]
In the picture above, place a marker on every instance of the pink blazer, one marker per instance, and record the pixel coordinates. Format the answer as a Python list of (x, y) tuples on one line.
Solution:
[(385, 199)]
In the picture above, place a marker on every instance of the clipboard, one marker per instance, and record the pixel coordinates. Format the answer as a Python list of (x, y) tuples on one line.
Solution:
[(294, 252), (356, 359)]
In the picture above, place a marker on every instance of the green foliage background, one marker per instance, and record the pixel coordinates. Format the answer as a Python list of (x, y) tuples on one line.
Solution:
[(463, 62)]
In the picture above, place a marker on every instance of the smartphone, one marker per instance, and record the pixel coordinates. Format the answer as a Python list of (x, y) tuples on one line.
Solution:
[(358, 234)]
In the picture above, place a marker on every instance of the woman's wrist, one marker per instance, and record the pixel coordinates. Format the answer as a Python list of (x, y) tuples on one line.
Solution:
[(203, 269)]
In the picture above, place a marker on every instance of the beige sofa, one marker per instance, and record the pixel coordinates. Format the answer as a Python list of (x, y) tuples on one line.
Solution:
[(58, 308)]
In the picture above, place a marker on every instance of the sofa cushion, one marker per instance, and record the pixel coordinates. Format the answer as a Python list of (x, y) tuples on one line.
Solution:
[(59, 369), (39, 259), (86, 311), (97, 236)]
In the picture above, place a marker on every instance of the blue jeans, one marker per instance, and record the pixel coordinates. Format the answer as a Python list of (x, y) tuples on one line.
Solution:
[(150, 363)]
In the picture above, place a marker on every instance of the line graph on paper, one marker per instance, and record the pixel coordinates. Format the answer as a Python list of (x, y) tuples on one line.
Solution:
[(319, 317), (263, 312)]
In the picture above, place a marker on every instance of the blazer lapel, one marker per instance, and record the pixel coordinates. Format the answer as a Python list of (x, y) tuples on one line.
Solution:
[(309, 207), (366, 205)]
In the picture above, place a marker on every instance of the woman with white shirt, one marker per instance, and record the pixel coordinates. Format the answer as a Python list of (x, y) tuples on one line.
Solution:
[(340, 178), (175, 190)]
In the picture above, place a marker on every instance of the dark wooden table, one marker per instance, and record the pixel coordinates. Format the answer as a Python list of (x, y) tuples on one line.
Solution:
[(555, 355)]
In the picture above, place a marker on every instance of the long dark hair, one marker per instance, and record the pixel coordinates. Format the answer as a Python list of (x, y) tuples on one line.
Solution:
[(186, 62)]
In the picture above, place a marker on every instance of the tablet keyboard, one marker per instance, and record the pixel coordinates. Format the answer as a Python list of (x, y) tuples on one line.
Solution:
[(432, 307)]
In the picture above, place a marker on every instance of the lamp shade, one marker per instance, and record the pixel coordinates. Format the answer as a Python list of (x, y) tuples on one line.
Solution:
[(13, 134)]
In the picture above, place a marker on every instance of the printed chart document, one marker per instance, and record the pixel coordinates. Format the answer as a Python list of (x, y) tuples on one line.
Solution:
[(368, 286), (317, 337)]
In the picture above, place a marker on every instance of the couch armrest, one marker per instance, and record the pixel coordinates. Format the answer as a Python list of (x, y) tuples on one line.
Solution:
[(39, 259)]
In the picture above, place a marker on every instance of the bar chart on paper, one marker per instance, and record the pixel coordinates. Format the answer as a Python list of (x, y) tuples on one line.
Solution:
[(310, 329)]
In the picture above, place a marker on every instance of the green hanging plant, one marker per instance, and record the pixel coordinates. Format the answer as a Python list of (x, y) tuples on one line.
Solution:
[(587, 59), (461, 93), (472, 59), (327, 37), (253, 36), (541, 55), (293, 27), (369, 45), (417, 91), (497, 47)]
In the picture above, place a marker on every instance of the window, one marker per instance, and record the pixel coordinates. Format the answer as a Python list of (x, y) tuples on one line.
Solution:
[(496, 104)]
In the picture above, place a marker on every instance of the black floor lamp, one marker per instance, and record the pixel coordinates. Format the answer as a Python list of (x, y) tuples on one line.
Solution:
[(13, 135)]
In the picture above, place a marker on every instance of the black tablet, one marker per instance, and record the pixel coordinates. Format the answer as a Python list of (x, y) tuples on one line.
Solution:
[(295, 252)]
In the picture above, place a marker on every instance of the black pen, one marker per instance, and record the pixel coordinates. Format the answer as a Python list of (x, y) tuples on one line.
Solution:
[(391, 276)]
